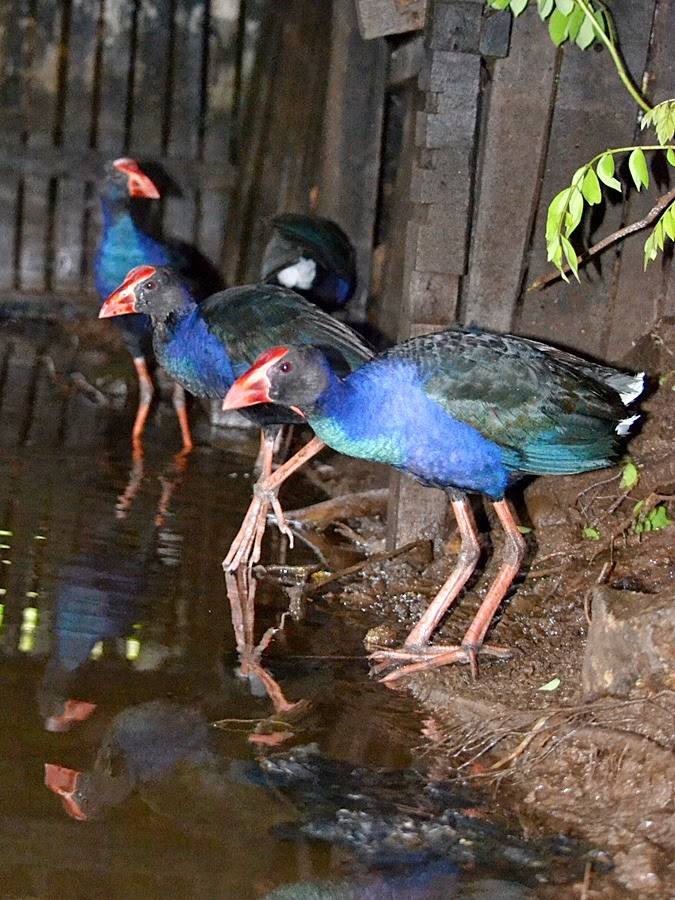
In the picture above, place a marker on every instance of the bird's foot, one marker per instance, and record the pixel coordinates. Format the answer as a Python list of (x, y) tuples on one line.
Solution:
[(245, 548), (270, 497), (407, 660)]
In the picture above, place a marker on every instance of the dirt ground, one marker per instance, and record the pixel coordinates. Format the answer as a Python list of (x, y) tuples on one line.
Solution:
[(581, 760)]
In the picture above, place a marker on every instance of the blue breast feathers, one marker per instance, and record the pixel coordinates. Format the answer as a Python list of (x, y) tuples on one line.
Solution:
[(123, 247), (382, 413), (196, 358)]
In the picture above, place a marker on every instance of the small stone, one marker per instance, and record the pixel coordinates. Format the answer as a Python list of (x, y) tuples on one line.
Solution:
[(631, 637), (380, 636)]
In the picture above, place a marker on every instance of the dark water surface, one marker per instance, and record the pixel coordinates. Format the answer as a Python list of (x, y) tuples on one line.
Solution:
[(111, 592)]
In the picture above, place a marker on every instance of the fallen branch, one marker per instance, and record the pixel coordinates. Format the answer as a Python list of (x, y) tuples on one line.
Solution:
[(348, 506), (358, 567)]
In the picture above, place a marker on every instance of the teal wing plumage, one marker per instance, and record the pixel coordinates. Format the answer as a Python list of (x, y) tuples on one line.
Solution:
[(545, 414), (252, 318)]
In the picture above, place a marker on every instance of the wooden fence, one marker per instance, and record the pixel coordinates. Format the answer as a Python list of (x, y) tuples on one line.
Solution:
[(84, 83)]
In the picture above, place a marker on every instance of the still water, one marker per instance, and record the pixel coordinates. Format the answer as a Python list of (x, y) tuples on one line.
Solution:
[(111, 593)]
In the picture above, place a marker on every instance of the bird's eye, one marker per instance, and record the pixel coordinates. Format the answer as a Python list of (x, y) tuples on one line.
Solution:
[(149, 285), (285, 367)]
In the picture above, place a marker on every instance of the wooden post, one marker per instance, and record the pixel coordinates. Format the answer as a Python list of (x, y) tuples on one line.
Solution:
[(352, 137), (438, 229)]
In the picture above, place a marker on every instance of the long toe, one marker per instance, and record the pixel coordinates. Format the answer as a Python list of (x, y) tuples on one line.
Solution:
[(397, 663)]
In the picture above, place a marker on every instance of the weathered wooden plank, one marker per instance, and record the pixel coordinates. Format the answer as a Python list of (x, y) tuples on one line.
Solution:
[(442, 177), (352, 140), (149, 113), (224, 78), (114, 75), (14, 20), (256, 111), (74, 132), (593, 111), (391, 263), (640, 297), (40, 122), (280, 151), (378, 18), (185, 109), (516, 134)]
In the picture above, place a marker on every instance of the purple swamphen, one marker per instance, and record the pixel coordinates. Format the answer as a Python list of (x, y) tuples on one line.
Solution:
[(461, 410), (124, 245), (206, 346), (313, 256)]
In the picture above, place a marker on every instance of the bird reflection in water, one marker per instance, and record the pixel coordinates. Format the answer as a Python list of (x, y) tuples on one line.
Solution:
[(99, 593)]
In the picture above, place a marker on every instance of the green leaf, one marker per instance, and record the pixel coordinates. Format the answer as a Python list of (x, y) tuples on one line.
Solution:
[(659, 518), (637, 164), (605, 170), (585, 34), (545, 8), (591, 188), (524, 529), (670, 156), (577, 17), (601, 18), (578, 177), (551, 685), (518, 6), (566, 7), (591, 533), (668, 220), (630, 475), (575, 210), (651, 250), (554, 251), (499, 4), (557, 27), (571, 257), (556, 208), (654, 520)]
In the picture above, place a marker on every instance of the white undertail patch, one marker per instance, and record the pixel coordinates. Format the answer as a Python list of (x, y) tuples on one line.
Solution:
[(624, 425), (300, 275), (629, 386)]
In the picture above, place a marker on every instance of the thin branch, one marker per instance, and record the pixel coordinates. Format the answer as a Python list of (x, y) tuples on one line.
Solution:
[(612, 238)]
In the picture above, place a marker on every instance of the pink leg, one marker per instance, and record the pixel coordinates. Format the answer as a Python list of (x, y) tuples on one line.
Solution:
[(416, 650), (245, 549), (466, 563), (146, 392), (181, 411)]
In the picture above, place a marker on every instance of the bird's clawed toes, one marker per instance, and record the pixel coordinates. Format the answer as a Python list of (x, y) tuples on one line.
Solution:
[(392, 664)]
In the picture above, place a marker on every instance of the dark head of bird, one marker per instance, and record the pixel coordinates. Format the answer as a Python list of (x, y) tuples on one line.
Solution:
[(126, 178), (86, 794), (291, 376), (154, 290)]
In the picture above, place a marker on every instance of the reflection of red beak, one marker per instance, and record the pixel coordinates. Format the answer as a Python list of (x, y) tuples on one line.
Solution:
[(123, 300), (254, 386), (139, 183), (73, 711), (64, 783)]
